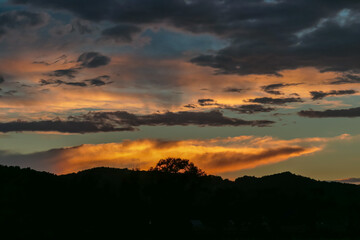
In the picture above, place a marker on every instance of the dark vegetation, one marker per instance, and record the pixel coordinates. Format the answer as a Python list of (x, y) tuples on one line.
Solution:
[(177, 165), (106, 203)]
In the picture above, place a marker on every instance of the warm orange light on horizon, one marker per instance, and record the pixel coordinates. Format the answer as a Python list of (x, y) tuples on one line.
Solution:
[(214, 155)]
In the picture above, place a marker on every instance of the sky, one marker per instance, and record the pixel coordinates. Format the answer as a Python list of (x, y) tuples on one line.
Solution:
[(239, 87)]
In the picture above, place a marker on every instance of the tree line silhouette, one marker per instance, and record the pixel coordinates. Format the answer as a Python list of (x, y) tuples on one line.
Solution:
[(174, 200)]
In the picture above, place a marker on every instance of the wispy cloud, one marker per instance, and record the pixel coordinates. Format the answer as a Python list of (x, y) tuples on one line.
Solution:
[(349, 181), (274, 88), (275, 101), (331, 113), (215, 155), (125, 121), (316, 95)]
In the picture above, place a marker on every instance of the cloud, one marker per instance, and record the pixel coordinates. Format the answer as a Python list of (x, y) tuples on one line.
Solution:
[(20, 20), (263, 37), (351, 112), (182, 118), (86, 60), (249, 109), (345, 79), (44, 82), (233, 90), (215, 155), (275, 101), (81, 26), (227, 161), (267, 44), (206, 102), (93, 60), (349, 181), (69, 73), (62, 58), (10, 92), (60, 126), (124, 121), (190, 106), (2, 79), (122, 33), (320, 94), (97, 82), (246, 109), (272, 88)]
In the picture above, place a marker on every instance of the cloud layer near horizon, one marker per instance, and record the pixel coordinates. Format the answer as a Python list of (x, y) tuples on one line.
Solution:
[(124, 121), (216, 155), (331, 113), (355, 181)]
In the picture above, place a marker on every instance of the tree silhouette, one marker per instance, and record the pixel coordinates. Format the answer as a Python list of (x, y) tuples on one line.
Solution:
[(177, 165)]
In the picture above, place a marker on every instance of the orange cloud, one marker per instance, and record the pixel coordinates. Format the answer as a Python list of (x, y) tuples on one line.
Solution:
[(213, 155), (141, 85)]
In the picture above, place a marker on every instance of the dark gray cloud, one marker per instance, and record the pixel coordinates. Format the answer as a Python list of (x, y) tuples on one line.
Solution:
[(346, 78), (97, 82), (93, 60), (275, 101), (123, 33), (233, 90), (244, 109), (21, 19), (264, 38), (124, 121), (69, 73), (350, 112), (206, 102), (61, 58), (2, 79), (60, 126), (86, 60), (82, 27), (190, 106), (183, 118), (273, 88), (316, 95), (10, 92), (269, 45), (44, 82), (250, 108)]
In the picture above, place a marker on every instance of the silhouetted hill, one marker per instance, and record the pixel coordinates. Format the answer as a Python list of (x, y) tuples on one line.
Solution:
[(109, 203)]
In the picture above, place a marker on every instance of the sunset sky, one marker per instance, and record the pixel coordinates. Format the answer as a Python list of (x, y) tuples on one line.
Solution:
[(239, 87)]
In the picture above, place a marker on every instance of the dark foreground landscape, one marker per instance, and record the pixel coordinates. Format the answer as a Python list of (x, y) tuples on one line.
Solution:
[(106, 203)]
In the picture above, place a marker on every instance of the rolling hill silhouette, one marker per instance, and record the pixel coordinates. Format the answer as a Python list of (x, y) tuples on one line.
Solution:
[(109, 203)]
